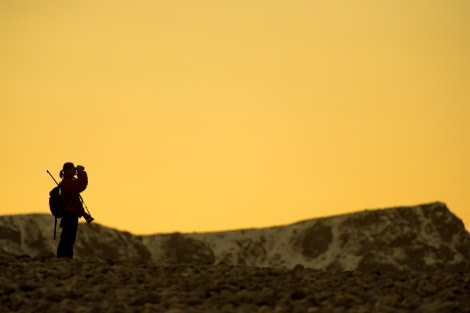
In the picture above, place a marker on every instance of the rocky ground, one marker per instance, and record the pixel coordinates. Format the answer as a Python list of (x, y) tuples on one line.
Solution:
[(51, 285)]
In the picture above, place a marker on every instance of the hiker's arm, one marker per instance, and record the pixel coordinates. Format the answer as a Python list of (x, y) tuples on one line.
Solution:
[(79, 184)]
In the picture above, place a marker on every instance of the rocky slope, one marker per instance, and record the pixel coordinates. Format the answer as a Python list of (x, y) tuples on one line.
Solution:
[(61, 285), (422, 238)]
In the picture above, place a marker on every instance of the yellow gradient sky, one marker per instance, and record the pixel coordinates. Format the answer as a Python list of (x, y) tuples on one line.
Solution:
[(217, 115)]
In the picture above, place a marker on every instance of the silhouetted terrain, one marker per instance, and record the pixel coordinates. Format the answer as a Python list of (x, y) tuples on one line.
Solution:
[(413, 259), (425, 237)]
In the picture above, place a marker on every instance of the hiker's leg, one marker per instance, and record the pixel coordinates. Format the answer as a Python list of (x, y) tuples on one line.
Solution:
[(69, 226)]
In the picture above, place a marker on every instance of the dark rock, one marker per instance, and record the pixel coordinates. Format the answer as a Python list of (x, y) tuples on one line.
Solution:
[(181, 249)]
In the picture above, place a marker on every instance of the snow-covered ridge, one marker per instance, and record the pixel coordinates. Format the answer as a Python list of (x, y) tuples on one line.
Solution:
[(423, 237)]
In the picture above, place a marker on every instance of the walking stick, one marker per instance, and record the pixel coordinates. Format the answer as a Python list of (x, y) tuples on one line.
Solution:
[(52, 177)]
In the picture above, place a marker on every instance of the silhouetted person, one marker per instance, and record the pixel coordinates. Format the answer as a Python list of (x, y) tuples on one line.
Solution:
[(71, 188)]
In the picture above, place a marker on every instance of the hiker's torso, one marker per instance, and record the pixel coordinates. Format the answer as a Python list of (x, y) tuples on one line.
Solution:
[(71, 188)]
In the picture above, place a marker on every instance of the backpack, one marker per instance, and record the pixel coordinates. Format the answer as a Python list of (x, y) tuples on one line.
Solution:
[(56, 204)]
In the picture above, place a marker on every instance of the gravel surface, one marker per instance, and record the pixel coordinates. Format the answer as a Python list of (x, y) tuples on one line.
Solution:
[(51, 285)]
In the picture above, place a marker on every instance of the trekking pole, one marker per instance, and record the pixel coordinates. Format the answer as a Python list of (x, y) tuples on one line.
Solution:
[(52, 177)]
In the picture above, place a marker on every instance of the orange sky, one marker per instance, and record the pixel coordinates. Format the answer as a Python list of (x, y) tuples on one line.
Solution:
[(216, 115)]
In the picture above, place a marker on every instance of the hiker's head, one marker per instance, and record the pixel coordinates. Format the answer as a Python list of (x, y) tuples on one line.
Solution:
[(68, 170)]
